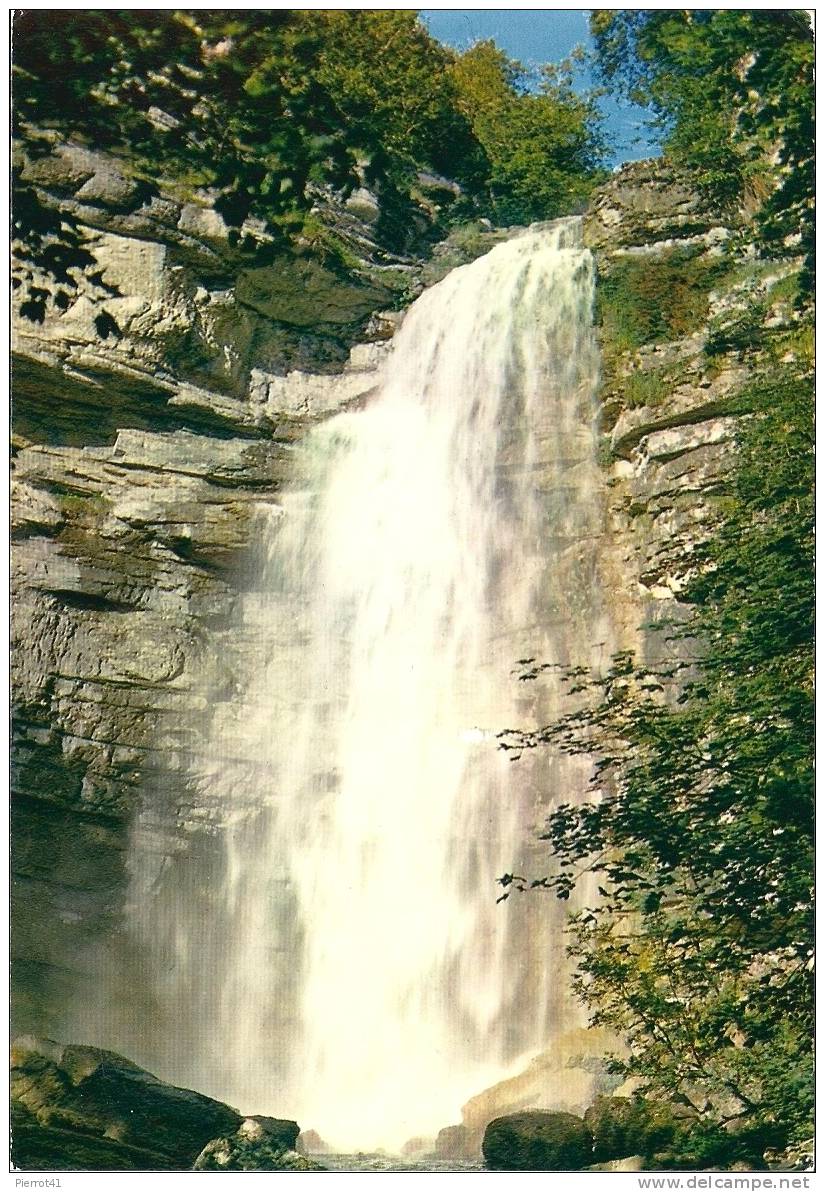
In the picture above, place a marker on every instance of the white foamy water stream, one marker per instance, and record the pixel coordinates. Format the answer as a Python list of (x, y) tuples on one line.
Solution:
[(337, 953)]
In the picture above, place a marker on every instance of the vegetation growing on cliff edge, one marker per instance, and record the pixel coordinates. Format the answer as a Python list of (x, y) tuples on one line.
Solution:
[(698, 950), (734, 91), (263, 106), (541, 140), (643, 301)]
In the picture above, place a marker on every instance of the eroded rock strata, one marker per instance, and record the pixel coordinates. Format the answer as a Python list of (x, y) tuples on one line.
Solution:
[(153, 416), (156, 414)]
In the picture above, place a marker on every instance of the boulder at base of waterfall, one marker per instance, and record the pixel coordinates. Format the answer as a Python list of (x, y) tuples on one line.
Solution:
[(631, 1163), (624, 1126), (45, 1148), (259, 1144), (310, 1142), (85, 1109), (537, 1141), (564, 1079), (457, 1142), (415, 1148)]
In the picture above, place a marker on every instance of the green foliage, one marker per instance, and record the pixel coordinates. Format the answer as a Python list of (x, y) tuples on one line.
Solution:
[(742, 328), (392, 86), (646, 388), (265, 106), (733, 89), (652, 299), (228, 99), (698, 951), (543, 146)]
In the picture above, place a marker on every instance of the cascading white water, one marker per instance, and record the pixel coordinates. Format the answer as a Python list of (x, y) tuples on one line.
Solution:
[(339, 956)]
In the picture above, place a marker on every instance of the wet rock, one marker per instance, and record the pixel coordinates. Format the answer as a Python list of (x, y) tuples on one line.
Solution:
[(565, 1077), (457, 1142), (303, 293), (417, 1147), (258, 1144), (464, 244), (87, 1099), (536, 1141), (310, 1142), (135, 499)]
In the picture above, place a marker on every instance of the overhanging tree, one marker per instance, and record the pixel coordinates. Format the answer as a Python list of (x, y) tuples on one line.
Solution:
[(264, 107)]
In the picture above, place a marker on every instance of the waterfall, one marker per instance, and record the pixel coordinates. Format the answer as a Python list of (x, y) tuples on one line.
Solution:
[(336, 953)]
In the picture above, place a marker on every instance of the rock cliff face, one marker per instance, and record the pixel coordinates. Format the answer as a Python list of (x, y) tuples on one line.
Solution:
[(666, 433), (155, 415), (152, 417), (675, 284)]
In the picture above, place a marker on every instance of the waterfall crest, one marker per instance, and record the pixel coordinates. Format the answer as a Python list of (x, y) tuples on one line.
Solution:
[(338, 954)]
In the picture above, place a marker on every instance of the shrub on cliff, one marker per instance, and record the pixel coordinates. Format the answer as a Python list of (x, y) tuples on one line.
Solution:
[(734, 92), (698, 951), (541, 140)]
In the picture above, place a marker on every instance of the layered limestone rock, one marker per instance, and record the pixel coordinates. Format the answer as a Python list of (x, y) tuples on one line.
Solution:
[(181, 298), (154, 415), (673, 278), (125, 555), (646, 203)]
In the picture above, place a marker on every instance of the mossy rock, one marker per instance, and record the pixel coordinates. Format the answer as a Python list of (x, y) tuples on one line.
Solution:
[(259, 1144), (36, 1146), (302, 292), (79, 1092), (537, 1141), (624, 1126)]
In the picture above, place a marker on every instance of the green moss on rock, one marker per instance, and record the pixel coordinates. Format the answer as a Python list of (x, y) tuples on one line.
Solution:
[(653, 298), (537, 1141)]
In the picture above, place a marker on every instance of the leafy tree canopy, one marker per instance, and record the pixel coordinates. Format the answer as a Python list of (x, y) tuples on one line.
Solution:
[(541, 139), (264, 105), (733, 89)]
